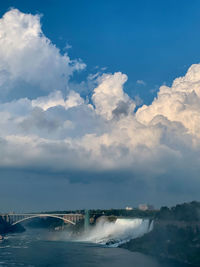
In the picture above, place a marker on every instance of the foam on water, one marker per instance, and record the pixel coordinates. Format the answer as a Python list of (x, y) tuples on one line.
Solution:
[(118, 232)]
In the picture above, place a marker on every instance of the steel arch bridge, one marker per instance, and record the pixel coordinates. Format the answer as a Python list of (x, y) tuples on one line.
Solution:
[(14, 219)]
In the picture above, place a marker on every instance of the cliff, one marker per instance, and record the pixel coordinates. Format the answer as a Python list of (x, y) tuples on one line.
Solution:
[(176, 235)]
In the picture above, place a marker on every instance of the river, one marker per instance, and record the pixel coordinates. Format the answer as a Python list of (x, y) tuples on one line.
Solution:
[(43, 248)]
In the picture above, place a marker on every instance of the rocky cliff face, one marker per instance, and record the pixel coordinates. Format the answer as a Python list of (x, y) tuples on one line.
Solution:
[(173, 240)]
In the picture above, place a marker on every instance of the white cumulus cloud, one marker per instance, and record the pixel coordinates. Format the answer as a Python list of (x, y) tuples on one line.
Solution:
[(109, 98), (56, 98), (28, 58)]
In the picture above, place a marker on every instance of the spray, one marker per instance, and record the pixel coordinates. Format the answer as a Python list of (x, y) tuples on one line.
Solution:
[(87, 220), (115, 233)]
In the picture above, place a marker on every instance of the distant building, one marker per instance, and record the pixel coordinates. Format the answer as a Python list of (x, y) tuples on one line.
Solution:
[(150, 207), (145, 207), (129, 208)]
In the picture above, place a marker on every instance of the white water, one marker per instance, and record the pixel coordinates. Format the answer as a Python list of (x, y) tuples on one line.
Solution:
[(116, 233)]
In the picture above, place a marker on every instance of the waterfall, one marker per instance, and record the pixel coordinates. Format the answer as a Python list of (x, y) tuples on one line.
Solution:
[(118, 232)]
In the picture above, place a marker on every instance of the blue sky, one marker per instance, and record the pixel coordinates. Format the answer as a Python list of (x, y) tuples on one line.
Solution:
[(100, 98), (154, 41)]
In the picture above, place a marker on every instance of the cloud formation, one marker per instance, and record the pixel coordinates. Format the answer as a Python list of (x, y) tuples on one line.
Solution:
[(70, 134), (106, 133), (109, 98), (141, 82), (28, 58)]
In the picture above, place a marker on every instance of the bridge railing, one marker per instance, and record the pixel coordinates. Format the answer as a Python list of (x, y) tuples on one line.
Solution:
[(15, 218)]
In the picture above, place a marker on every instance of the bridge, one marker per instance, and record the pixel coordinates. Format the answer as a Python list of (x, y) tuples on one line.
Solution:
[(14, 218)]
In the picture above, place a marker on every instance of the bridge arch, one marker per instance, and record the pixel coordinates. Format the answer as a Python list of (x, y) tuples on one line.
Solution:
[(43, 215)]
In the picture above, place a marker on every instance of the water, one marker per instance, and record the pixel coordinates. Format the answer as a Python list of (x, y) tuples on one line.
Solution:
[(117, 232), (44, 248)]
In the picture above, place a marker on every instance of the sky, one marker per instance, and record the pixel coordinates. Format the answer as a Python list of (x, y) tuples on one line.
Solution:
[(99, 104)]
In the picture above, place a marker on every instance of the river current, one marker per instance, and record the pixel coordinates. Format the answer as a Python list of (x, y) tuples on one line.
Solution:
[(44, 248)]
